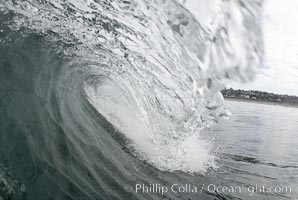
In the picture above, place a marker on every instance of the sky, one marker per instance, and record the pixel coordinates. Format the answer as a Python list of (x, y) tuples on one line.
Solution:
[(279, 72)]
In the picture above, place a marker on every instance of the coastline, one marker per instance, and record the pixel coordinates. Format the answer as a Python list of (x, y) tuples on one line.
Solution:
[(261, 102)]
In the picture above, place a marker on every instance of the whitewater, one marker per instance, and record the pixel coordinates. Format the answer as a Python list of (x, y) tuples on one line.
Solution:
[(93, 91)]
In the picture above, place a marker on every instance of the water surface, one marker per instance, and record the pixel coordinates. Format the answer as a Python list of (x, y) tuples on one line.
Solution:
[(259, 145)]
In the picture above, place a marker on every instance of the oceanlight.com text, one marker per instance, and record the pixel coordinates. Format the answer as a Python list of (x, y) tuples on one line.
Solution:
[(211, 188)]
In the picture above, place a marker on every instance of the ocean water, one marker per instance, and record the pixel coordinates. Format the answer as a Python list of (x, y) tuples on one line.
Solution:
[(100, 97), (258, 148)]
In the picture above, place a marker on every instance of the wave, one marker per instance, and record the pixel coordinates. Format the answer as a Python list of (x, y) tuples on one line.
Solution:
[(89, 86)]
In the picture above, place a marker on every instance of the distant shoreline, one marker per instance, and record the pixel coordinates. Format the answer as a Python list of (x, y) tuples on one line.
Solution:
[(261, 102), (260, 97)]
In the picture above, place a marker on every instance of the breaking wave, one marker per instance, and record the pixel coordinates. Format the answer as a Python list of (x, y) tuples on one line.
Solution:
[(88, 86)]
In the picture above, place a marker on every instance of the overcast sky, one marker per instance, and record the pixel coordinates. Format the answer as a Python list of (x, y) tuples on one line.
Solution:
[(279, 74)]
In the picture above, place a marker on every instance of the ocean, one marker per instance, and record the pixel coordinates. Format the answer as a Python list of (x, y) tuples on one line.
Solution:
[(114, 99)]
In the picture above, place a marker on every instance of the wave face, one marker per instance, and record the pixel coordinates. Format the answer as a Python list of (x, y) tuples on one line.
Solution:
[(90, 87)]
